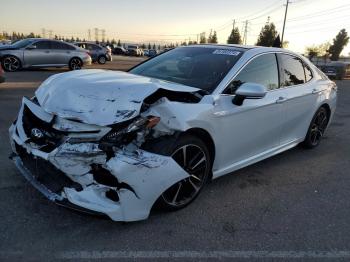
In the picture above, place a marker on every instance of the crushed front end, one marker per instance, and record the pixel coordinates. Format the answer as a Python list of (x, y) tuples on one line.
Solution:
[(92, 168)]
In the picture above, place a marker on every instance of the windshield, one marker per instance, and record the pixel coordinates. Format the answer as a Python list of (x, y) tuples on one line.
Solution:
[(22, 43), (201, 67)]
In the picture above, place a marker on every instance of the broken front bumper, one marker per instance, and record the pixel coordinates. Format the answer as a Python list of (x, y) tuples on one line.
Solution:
[(78, 174)]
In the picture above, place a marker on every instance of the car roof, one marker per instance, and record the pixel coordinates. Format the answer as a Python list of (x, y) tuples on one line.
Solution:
[(227, 45), (252, 48)]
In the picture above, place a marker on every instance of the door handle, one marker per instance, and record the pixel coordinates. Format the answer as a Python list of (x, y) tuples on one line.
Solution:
[(47, 52), (281, 99), (315, 91)]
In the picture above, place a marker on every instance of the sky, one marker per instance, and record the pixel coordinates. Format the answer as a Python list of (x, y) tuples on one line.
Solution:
[(309, 22)]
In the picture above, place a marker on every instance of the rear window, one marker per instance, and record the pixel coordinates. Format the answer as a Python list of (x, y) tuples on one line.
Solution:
[(292, 70), (200, 67)]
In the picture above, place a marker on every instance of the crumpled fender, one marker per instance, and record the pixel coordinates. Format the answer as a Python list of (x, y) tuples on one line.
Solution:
[(147, 173)]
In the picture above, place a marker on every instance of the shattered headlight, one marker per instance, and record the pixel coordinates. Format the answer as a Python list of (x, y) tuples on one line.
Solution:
[(126, 135)]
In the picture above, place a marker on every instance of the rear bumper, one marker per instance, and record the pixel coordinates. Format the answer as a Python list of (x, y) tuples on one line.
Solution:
[(87, 61)]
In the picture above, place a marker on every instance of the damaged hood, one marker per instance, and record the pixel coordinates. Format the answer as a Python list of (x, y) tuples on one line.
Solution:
[(99, 97)]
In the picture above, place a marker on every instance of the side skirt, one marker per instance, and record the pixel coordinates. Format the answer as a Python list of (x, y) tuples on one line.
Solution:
[(256, 158)]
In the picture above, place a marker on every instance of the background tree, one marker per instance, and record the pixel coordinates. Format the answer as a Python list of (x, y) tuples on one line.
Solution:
[(267, 35), (154, 46), (119, 44), (235, 37), (143, 46), (213, 38), (339, 42), (202, 38), (317, 50), (312, 51)]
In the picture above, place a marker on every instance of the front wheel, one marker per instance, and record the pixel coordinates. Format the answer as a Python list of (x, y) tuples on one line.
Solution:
[(11, 63), (317, 128), (193, 156), (75, 63)]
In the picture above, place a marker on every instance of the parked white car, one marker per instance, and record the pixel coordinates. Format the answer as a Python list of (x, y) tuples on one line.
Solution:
[(118, 143)]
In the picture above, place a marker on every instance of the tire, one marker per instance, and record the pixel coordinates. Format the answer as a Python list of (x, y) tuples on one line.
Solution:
[(198, 165), (11, 64), (316, 129), (75, 63), (102, 60)]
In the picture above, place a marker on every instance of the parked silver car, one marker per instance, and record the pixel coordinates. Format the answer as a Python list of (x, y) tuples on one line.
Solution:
[(98, 53), (37, 52)]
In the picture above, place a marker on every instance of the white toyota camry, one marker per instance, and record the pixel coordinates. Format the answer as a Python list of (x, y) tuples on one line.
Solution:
[(118, 143)]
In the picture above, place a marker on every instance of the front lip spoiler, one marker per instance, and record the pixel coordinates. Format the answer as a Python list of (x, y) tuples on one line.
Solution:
[(57, 199)]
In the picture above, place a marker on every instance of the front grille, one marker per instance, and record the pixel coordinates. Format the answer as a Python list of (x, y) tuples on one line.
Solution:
[(46, 173), (52, 138)]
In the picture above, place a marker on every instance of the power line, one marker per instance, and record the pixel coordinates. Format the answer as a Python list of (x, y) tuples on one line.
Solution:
[(248, 17)]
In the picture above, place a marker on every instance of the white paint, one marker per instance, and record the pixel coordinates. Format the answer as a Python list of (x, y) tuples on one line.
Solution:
[(99, 97), (242, 135)]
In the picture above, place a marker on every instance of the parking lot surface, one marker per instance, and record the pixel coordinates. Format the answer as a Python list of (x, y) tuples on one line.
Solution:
[(294, 205)]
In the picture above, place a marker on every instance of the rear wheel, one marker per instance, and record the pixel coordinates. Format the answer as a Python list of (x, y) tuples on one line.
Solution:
[(75, 63), (102, 59), (317, 128), (11, 63), (192, 155)]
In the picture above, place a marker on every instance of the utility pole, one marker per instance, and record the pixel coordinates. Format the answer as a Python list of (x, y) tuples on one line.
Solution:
[(43, 31), (96, 34), (245, 32), (284, 22), (233, 25), (89, 34), (103, 31)]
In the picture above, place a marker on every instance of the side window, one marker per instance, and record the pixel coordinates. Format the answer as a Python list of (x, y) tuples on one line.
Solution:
[(43, 45), (95, 47), (308, 73), (261, 70), (57, 45), (292, 70), (67, 47)]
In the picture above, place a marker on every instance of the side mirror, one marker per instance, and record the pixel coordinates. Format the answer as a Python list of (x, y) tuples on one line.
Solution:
[(249, 91), (31, 47)]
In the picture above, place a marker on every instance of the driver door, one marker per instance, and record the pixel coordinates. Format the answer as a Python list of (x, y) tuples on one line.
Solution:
[(41, 54), (254, 128)]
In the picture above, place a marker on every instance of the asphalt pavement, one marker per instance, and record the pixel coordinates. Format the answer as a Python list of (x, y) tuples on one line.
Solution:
[(295, 205)]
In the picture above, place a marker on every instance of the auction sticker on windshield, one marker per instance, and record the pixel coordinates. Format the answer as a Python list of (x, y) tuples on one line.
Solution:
[(226, 52)]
